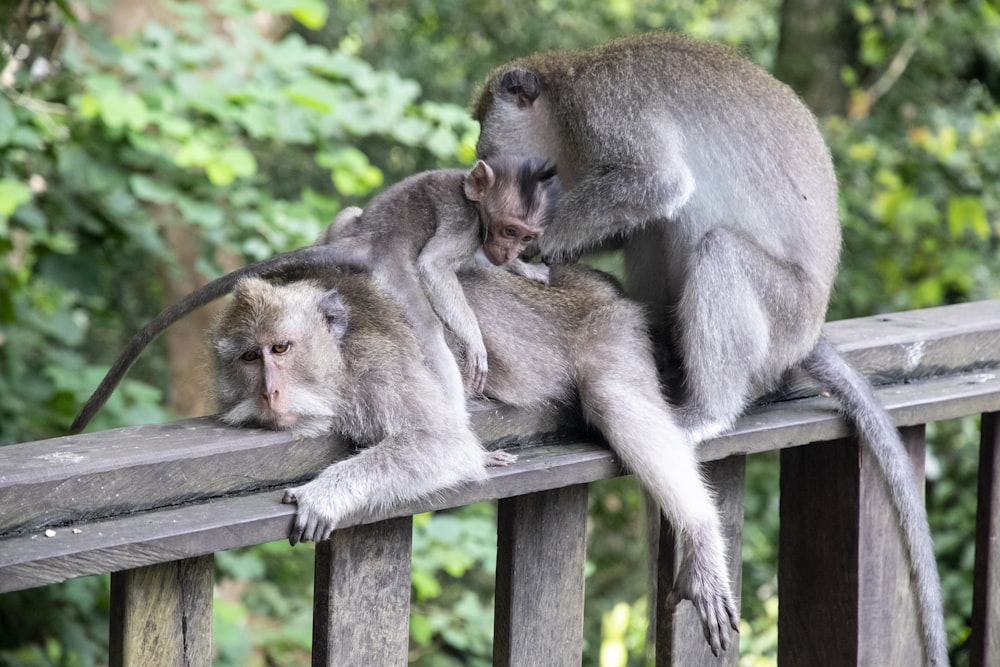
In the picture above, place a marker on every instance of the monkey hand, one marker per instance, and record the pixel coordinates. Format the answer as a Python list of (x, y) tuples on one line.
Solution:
[(538, 272), (476, 367), (708, 589), (313, 522)]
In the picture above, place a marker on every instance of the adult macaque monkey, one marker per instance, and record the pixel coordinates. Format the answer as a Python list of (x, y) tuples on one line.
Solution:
[(716, 178), (339, 358), (414, 237)]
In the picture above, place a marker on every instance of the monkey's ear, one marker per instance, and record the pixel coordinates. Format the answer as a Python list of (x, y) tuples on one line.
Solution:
[(249, 287), (480, 179), (333, 310), (520, 85)]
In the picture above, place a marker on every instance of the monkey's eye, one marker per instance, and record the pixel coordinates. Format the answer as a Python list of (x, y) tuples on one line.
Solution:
[(527, 239), (510, 232), (280, 348), (250, 355)]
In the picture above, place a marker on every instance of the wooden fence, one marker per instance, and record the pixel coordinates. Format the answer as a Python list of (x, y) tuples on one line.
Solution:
[(152, 504)]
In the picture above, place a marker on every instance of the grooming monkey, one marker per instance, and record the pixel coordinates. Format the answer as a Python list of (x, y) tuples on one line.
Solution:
[(414, 237), (718, 183), (512, 200), (339, 357)]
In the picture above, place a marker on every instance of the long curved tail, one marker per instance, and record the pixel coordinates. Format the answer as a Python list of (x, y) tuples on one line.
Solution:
[(297, 263), (877, 432)]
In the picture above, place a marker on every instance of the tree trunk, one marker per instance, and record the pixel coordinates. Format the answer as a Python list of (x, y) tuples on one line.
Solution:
[(185, 339), (817, 39)]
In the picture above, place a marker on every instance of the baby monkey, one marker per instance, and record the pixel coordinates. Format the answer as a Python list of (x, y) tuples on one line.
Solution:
[(416, 235)]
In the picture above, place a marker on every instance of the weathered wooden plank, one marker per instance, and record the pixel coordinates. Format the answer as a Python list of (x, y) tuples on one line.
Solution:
[(920, 343), (846, 597), (162, 615), (985, 638), (361, 604), (90, 476), (138, 539), (794, 423), (30, 559), (680, 640), (541, 554), (55, 482), (103, 474)]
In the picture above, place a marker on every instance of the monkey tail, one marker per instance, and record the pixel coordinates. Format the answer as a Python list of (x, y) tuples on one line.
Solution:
[(284, 265), (877, 431)]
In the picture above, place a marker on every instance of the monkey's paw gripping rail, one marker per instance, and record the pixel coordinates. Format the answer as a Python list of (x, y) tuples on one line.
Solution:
[(152, 504)]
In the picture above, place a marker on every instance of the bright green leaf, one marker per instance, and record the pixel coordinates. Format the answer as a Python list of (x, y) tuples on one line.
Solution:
[(967, 213), (12, 194)]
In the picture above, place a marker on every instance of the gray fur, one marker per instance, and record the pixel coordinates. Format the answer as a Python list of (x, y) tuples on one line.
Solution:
[(717, 180), (575, 341), (369, 385), (418, 233)]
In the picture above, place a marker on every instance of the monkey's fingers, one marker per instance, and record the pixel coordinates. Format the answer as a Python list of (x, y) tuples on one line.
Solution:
[(295, 536), (499, 458), (477, 370)]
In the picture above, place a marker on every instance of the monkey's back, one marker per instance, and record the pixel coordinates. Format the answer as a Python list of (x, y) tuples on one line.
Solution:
[(399, 221), (536, 334)]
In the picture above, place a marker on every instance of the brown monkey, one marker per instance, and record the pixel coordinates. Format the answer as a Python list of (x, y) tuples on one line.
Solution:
[(414, 237), (716, 177), (339, 358)]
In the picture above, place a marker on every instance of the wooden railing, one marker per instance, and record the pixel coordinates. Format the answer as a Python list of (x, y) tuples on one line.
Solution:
[(152, 504)]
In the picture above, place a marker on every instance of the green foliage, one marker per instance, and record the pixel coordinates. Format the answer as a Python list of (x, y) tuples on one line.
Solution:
[(454, 570), (171, 126), (459, 45), (252, 144), (67, 625)]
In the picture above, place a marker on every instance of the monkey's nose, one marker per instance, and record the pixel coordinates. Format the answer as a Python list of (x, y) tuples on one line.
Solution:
[(272, 398)]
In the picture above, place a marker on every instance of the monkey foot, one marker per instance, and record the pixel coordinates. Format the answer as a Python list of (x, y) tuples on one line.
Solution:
[(499, 459)]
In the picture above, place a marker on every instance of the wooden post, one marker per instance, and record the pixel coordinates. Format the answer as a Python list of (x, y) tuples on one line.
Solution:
[(541, 554), (985, 639), (361, 605), (679, 637), (162, 614), (843, 574)]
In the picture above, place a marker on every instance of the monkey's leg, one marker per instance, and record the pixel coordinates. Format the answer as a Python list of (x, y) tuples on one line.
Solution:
[(402, 468), (402, 282), (437, 264), (620, 395), (744, 318)]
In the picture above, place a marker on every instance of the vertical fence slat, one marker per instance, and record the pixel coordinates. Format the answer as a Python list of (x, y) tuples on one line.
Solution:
[(541, 554), (985, 639), (843, 574), (361, 603), (679, 637), (162, 614)]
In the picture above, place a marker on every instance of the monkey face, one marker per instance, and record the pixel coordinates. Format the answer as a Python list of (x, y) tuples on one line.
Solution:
[(277, 360), (507, 239)]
